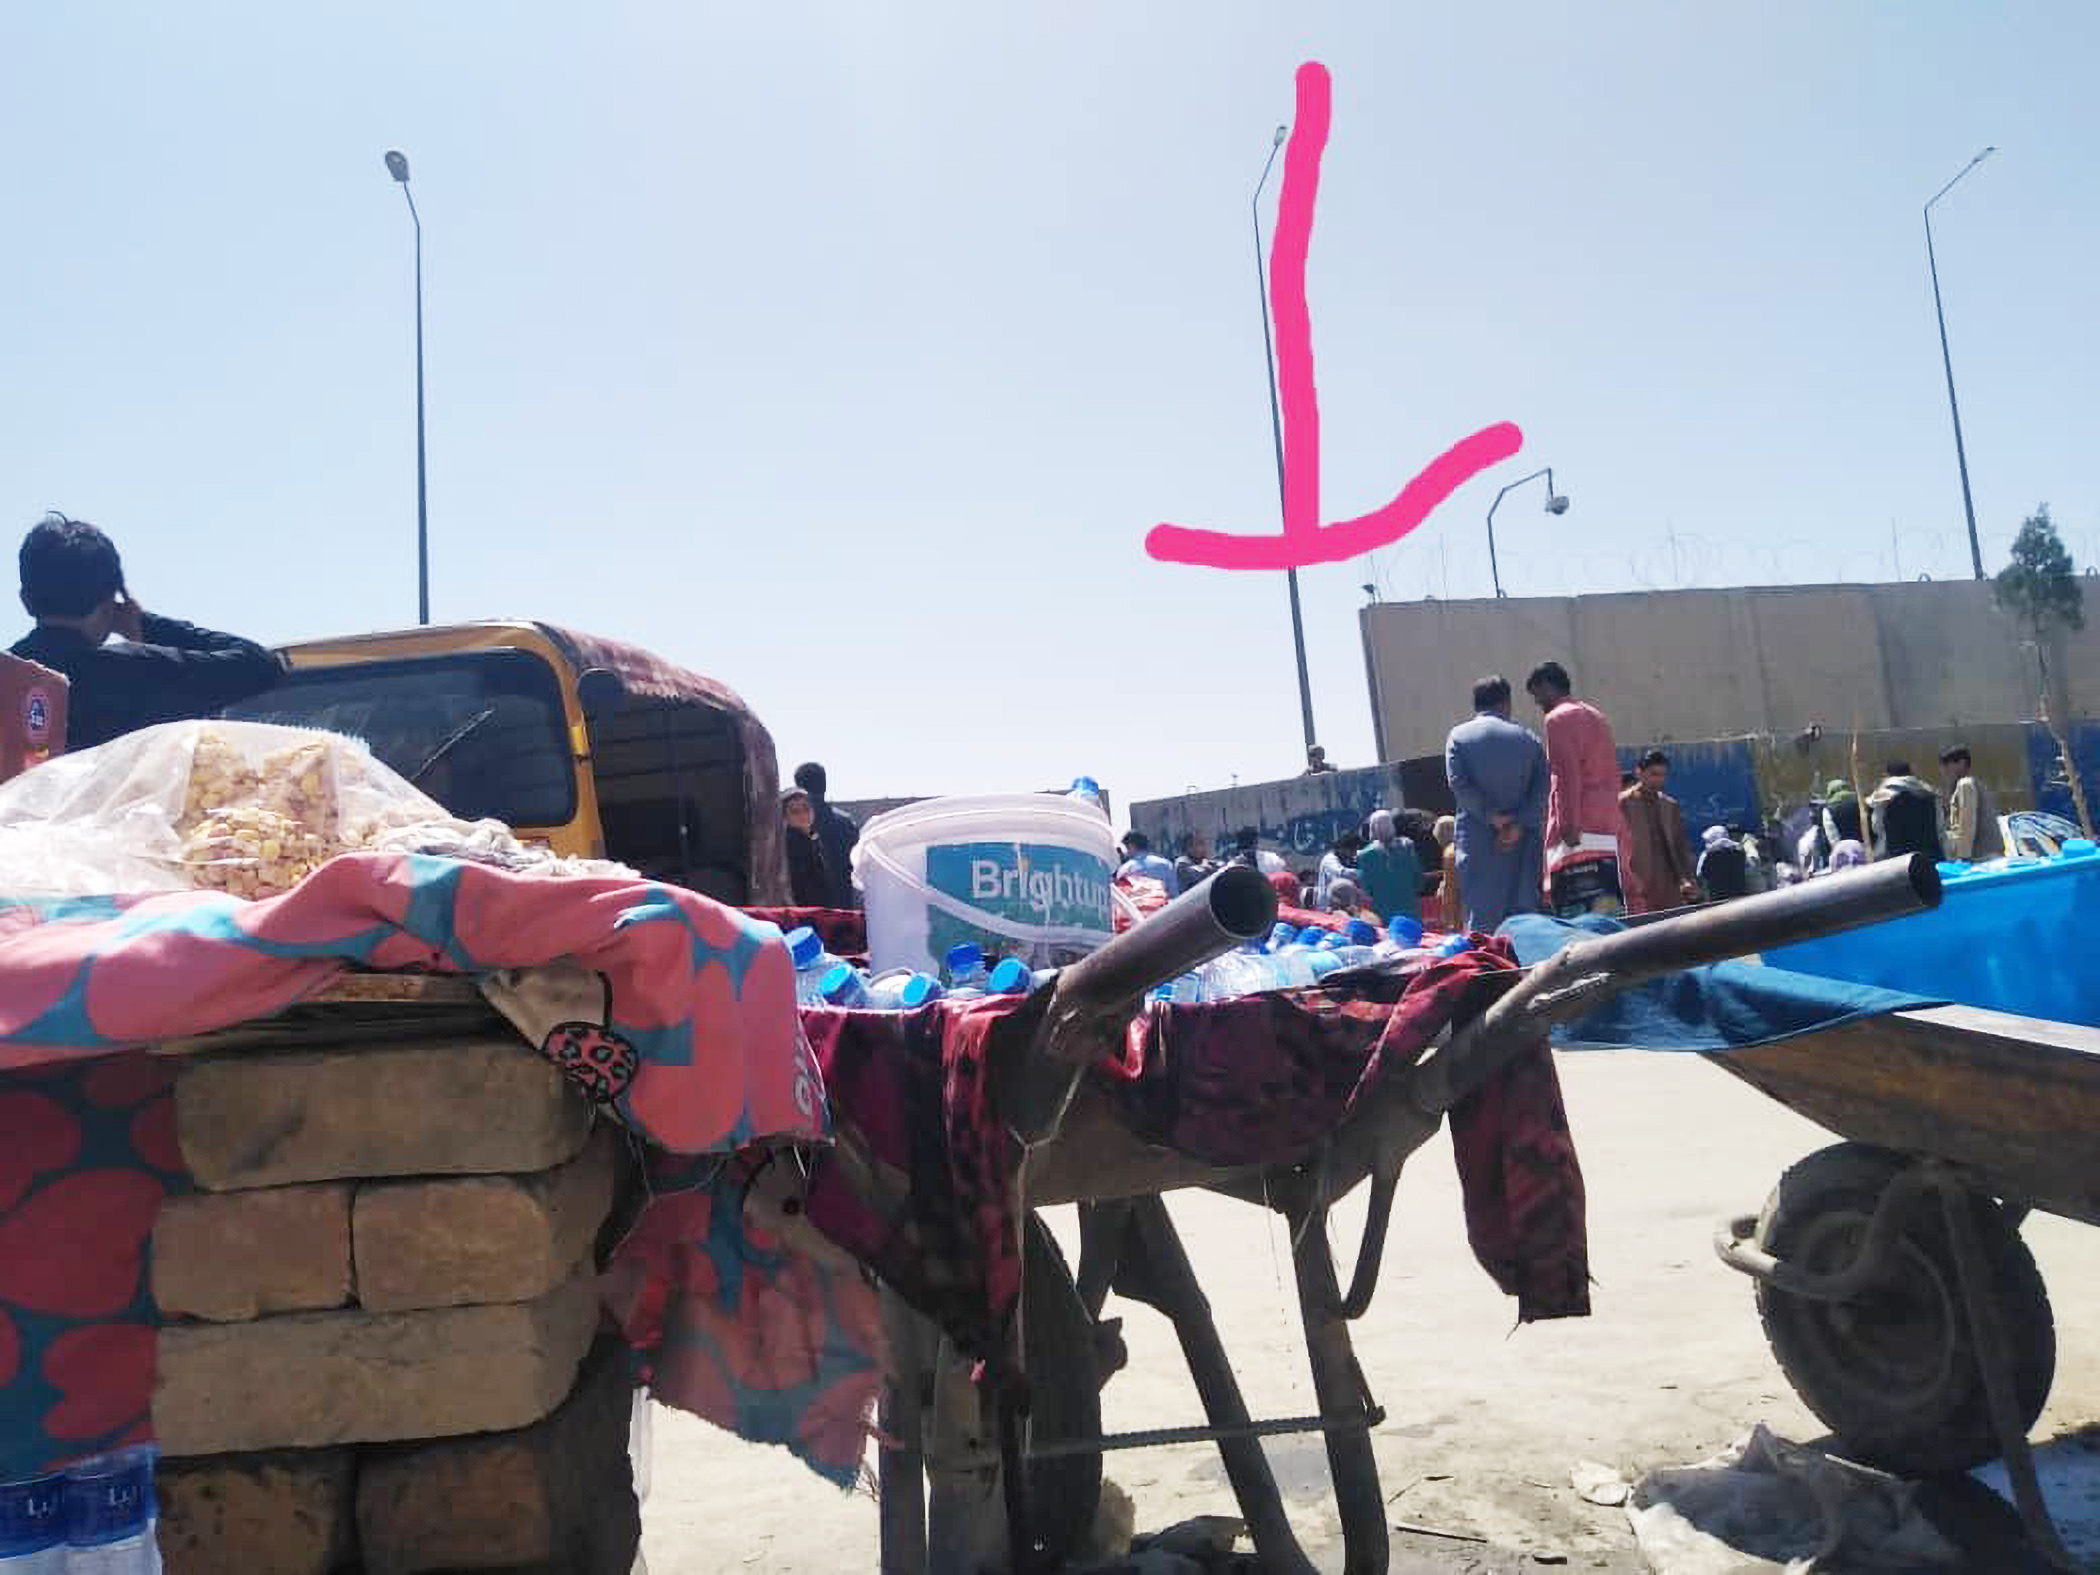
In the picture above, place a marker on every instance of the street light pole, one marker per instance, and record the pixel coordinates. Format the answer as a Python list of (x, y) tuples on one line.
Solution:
[(397, 166), (1556, 503), (1268, 345), (1961, 458)]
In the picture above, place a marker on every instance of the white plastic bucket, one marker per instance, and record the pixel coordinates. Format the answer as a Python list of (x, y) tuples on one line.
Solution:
[(1020, 874)]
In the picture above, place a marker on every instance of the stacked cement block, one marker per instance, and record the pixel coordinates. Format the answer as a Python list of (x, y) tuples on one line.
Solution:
[(380, 1317)]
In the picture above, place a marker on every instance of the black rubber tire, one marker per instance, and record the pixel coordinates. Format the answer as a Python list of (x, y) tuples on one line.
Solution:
[(1894, 1375), (1064, 1386)]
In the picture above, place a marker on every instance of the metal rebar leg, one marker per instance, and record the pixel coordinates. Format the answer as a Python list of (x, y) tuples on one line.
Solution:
[(966, 1510), (1988, 1333), (1169, 1284), (908, 1343), (1339, 1385)]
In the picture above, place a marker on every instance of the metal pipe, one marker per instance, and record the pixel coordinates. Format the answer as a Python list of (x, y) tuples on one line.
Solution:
[(1089, 1003), (1579, 976), (1232, 907)]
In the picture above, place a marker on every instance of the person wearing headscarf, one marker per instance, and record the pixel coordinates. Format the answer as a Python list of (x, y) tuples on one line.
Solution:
[(1848, 854), (1451, 906), (1389, 871), (1345, 898), (1906, 815), (1723, 866)]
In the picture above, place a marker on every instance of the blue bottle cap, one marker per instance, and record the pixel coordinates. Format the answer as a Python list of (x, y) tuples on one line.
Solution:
[(841, 985), (918, 990), (1362, 932), (1455, 945), (1084, 785), (1281, 934), (804, 945), (1011, 977), (1406, 931), (965, 958), (32, 1515)]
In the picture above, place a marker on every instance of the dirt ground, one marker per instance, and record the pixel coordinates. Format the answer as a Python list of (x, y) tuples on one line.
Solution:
[(1484, 1419)]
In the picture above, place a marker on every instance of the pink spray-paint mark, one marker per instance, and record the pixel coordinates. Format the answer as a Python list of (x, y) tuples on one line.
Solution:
[(1305, 541)]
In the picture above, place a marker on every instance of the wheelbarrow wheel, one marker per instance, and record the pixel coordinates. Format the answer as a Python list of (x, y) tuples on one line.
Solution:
[(1893, 1373), (1064, 1384)]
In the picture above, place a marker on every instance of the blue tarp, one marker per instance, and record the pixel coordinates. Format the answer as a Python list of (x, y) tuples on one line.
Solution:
[(1724, 1006)]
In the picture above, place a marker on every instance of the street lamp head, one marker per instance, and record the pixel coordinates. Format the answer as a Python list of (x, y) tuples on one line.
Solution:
[(397, 165), (1281, 133), (1557, 503)]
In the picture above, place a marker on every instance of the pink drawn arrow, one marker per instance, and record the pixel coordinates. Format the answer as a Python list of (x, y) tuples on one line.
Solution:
[(1305, 540)]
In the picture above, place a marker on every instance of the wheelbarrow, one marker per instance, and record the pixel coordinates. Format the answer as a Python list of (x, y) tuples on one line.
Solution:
[(1894, 1287), (968, 1484)]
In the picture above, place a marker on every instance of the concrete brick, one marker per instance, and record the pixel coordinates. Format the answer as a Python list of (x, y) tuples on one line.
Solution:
[(290, 1512), (236, 1255), (557, 1496), (310, 1379), (476, 1239), (433, 1107)]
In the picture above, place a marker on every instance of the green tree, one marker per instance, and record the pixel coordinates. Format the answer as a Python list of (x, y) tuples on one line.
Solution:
[(2040, 585), (2041, 588)]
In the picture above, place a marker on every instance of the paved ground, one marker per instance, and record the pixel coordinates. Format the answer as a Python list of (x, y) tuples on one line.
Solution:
[(1484, 1419)]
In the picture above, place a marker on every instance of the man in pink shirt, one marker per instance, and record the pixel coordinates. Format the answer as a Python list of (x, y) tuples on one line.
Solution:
[(1587, 845)]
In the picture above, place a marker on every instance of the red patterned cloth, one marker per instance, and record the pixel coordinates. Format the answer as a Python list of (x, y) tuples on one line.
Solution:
[(1261, 1078), (919, 1186)]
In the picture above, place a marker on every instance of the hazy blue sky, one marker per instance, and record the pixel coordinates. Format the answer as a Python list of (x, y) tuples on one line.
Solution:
[(846, 352)]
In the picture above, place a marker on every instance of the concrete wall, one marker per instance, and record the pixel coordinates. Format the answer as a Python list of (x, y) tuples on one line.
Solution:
[(1723, 663)]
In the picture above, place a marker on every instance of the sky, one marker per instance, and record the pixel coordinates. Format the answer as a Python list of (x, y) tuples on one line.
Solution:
[(846, 353)]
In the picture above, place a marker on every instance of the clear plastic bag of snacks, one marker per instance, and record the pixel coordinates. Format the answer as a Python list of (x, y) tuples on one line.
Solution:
[(245, 808)]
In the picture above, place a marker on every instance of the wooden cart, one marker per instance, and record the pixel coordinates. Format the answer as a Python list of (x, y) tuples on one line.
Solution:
[(966, 1488), (1891, 1278)]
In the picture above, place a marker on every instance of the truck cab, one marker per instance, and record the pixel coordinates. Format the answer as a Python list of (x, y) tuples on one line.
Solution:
[(596, 748)]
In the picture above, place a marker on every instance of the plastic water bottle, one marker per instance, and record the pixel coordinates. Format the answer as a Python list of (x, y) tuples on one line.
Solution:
[(1453, 946), (1280, 936), (1238, 972), (1085, 790), (1015, 977), (966, 968), (1361, 932), (812, 962), (1293, 966), (33, 1527), (109, 1511), (902, 990), (1403, 933), (842, 985)]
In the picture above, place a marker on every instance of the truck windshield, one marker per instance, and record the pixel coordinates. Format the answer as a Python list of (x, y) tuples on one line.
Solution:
[(482, 732)]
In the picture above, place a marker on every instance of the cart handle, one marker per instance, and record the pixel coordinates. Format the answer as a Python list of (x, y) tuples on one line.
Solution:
[(1594, 968)]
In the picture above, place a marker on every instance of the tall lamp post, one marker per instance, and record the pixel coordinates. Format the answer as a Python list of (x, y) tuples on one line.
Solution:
[(1961, 458), (397, 166), (1556, 503), (1268, 345)]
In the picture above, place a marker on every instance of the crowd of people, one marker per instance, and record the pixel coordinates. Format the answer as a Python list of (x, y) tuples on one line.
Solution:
[(1550, 825), (1396, 864)]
